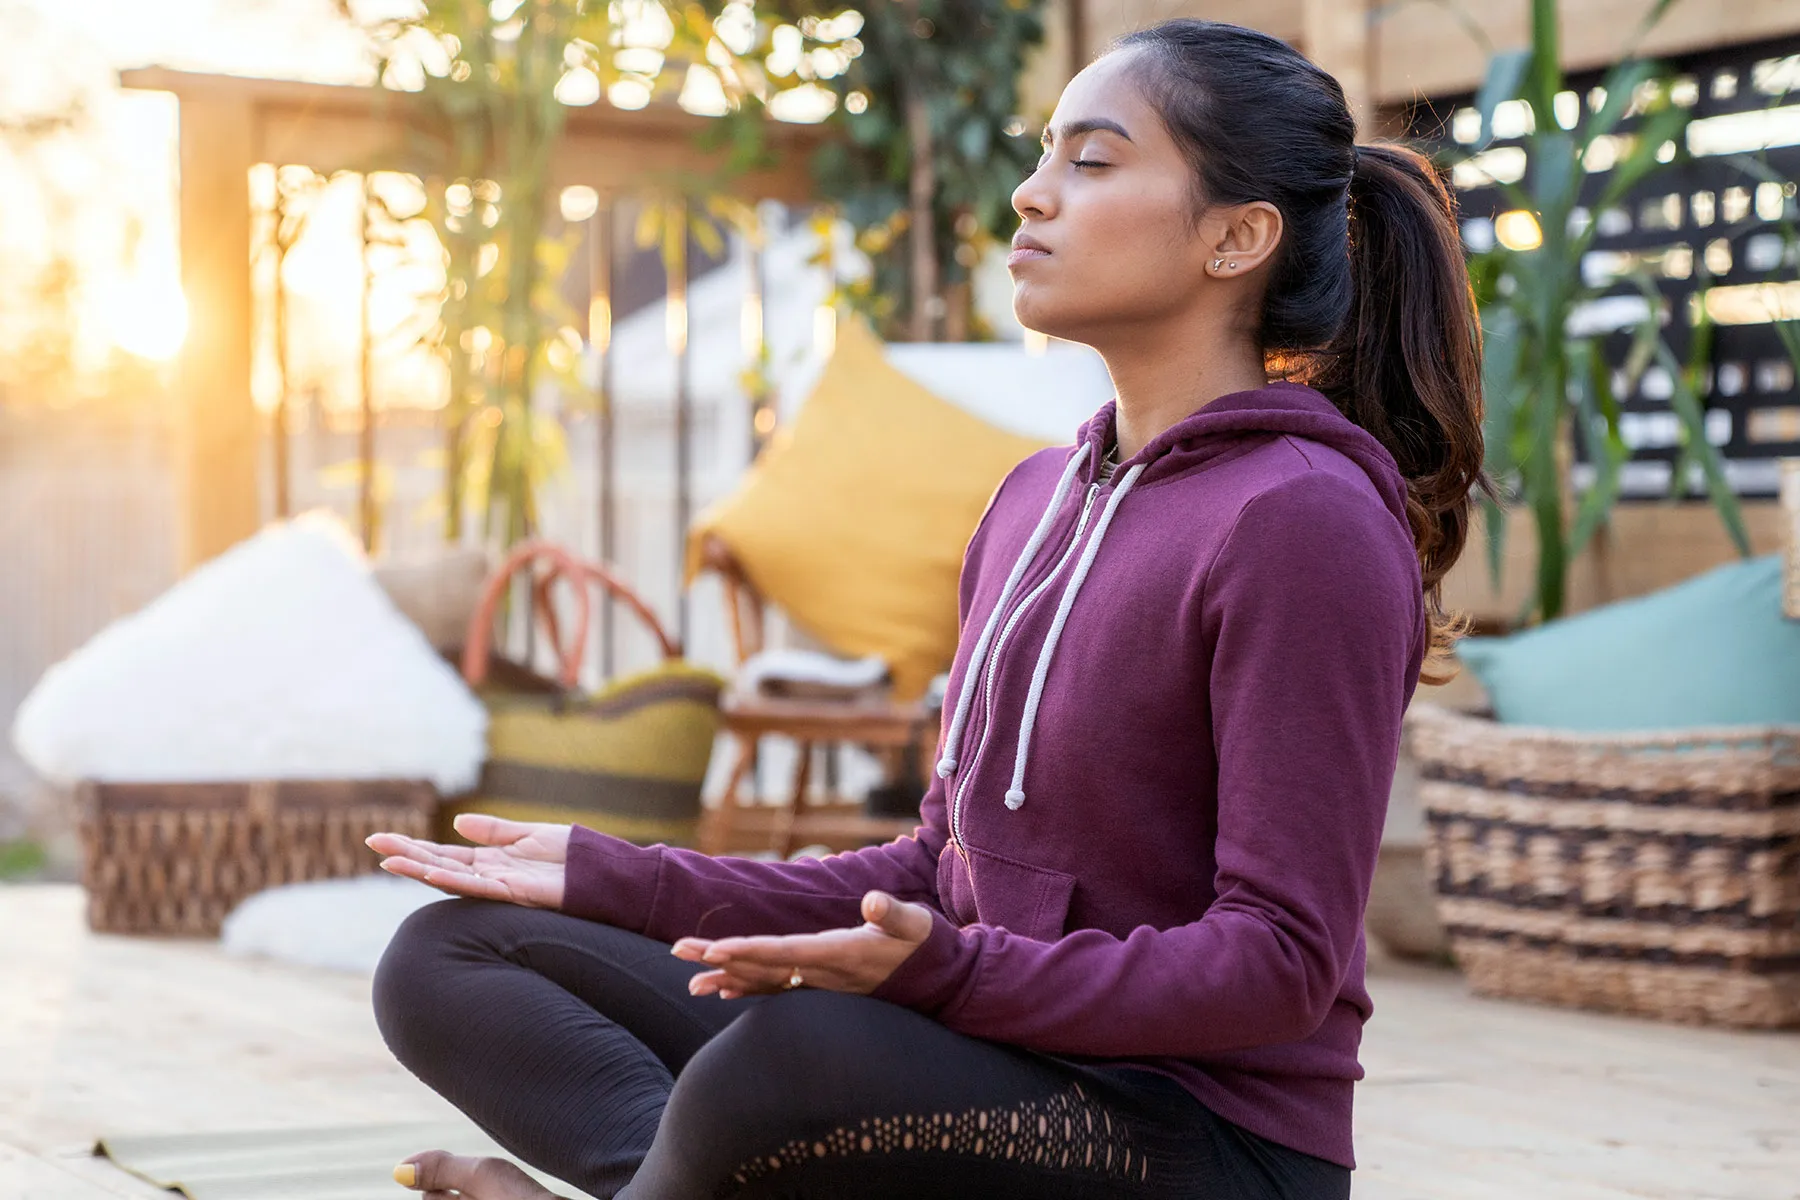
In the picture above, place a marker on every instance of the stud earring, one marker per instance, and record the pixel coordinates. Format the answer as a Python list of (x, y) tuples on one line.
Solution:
[(1217, 263), (1232, 266)]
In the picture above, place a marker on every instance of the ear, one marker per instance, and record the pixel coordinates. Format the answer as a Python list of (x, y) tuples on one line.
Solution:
[(1248, 235)]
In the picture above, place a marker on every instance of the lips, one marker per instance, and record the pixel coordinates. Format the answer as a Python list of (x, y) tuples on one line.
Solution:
[(1025, 249)]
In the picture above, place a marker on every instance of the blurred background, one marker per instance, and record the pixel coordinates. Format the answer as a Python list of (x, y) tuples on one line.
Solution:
[(346, 344), (267, 257)]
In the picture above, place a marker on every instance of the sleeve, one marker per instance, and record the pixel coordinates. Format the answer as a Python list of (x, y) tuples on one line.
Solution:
[(667, 893), (1312, 617)]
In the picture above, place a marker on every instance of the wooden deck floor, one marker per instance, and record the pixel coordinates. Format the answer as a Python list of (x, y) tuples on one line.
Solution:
[(1466, 1099)]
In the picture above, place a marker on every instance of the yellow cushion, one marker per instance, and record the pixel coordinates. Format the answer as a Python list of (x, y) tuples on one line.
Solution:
[(855, 518)]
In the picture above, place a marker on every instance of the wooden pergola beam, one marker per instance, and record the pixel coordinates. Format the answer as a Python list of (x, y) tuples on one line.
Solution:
[(229, 125), (1423, 49), (333, 128), (1335, 34)]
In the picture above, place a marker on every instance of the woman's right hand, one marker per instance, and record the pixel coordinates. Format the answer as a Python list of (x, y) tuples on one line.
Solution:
[(512, 861)]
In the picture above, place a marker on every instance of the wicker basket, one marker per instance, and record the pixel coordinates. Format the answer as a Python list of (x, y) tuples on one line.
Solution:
[(629, 760), (175, 858), (1655, 874)]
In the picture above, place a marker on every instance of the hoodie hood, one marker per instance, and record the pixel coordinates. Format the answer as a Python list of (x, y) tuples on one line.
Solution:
[(1209, 434), (1221, 426)]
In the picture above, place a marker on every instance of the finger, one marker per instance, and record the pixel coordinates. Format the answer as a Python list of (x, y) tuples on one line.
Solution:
[(729, 985), (734, 985), (455, 881), (769, 949), (830, 950), (690, 949), (764, 978), (467, 883), (897, 918), (406, 868), (486, 830), (416, 848), (706, 983)]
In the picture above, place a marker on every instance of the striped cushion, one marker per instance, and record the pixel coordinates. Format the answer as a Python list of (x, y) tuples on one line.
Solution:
[(629, 760)]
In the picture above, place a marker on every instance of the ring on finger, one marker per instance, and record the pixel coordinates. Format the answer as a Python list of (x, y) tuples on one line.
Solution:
[(794, 980)]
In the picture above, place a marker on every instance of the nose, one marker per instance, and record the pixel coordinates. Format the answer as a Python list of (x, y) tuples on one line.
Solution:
[(1032, 198)]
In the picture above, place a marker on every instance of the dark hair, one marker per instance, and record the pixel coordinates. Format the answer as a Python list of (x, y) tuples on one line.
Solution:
[(1368, 298)]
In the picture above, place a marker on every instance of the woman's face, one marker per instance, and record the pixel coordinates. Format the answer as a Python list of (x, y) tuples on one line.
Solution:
[(1107, 236)]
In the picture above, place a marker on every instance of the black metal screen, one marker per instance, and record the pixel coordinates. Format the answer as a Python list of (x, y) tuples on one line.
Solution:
[(1712, 221)]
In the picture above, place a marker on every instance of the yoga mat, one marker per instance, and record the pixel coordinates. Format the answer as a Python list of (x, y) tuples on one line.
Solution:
[(346, 1162)]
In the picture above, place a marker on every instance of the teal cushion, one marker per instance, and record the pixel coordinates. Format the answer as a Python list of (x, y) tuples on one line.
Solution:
[(1714, 650)]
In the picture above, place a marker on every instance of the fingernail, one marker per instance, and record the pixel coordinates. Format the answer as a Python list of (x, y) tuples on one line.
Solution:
[(407, 1175)]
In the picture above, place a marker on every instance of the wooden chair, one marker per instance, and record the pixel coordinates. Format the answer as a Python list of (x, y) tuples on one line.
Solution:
[(741, 823)]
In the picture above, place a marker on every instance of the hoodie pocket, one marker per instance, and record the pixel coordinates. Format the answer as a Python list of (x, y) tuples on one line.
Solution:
[(978, 886)]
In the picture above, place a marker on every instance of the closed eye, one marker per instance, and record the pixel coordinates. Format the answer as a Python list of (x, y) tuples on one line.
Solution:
[(1080, 164)]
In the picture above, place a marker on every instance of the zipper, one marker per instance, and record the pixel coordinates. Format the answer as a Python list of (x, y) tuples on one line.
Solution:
[(986, 682)]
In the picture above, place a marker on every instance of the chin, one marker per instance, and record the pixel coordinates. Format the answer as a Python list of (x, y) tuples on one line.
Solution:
[(1037, 309)]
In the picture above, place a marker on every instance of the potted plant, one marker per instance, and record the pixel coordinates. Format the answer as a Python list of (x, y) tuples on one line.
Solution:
[(1610, 859)]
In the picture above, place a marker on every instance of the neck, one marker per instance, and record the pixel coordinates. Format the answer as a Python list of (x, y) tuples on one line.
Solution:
[(1160, 381)]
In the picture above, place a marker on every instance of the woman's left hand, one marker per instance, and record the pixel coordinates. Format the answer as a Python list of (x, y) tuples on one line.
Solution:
[(855, 960)]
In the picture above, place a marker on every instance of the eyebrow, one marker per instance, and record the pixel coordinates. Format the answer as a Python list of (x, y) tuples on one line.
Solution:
[(1077, 128)]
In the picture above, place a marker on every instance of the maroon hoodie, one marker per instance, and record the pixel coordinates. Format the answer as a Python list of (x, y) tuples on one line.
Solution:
[(1161, 794)]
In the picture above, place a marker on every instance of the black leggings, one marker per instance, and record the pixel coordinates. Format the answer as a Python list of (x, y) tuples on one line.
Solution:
[(577, 1047)]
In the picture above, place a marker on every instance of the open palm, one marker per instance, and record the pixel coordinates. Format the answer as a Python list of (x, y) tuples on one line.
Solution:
[(514, 861)]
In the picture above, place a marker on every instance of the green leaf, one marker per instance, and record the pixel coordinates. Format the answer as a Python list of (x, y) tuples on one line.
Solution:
[(1545, 77), (1789, 333), (648, 230), (1668, 124), (1599, 412), (706, 236), (1505, 72), (1621, 84), (1686, 403), (1502, 347), (1555, 185), (1493, 522), (1650, 21)]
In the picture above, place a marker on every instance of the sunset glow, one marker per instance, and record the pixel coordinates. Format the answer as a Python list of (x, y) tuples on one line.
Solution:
[(148, 317)]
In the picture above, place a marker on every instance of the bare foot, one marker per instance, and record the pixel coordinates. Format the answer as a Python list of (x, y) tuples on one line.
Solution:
[(443, 1176)]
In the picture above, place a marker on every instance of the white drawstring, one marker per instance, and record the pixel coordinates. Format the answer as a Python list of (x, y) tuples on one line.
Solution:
[(978, 660), (1015, 795)]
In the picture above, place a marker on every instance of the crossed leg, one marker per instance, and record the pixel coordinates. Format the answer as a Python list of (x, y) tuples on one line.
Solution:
[(577, 1047)]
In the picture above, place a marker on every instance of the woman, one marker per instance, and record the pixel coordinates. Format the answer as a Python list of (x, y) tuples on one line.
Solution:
[(1123, 955)]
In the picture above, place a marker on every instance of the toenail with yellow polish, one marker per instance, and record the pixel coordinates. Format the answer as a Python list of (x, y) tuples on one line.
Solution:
[(406, 1175)]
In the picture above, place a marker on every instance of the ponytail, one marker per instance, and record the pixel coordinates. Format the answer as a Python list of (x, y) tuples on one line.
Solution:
[(1368, 298), (1406, 364)]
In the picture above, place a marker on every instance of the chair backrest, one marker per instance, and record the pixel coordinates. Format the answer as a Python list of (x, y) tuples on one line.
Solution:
[(746, 612), (526, 559)]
